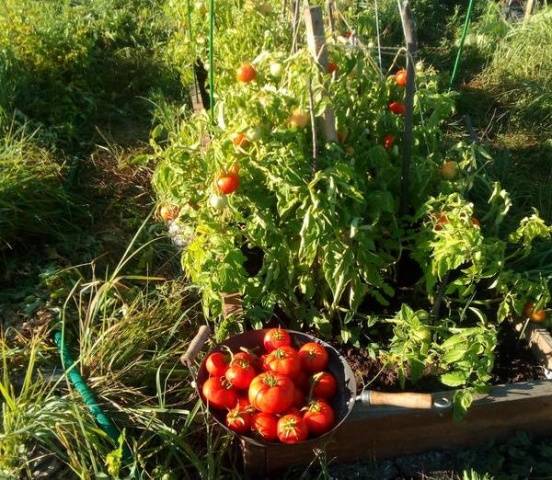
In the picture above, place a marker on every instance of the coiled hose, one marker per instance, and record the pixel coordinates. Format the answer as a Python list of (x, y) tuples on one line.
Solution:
[(86, 393)]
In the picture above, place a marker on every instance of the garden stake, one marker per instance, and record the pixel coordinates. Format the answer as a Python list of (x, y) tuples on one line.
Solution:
[(211, 59), (410, 39), (461, 47), (316, 42)]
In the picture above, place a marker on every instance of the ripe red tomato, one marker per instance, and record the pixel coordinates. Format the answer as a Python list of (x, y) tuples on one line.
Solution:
[(397, 108), (284, 360), (239, 420), (240, 373), (271, 392), (216, 364), (475, 222), (298, 397), (401, 78), (228, 183), (314, 357), (218, 394), (325, 385), (253, 360), (319, 417), (388, 141), (292, 429), (331, 68), (266, 425), (276, 337), (239, 140), (246, 73)]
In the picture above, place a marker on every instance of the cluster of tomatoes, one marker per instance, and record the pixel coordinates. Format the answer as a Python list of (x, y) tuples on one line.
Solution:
[(396, 107), (283, 394)]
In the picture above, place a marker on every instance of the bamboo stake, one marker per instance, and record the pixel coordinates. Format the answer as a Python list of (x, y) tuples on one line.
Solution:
[(316, 42), (411, 45)]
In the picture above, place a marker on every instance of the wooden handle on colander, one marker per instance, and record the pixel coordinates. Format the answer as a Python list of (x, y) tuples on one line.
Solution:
[(423, 401), (195, 345)]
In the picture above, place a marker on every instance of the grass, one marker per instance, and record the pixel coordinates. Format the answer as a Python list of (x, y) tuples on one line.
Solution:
[(25, 170), (519, 74)]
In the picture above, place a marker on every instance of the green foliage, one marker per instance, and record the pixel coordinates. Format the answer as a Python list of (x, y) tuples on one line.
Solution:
[(33, 201), (68, 65)]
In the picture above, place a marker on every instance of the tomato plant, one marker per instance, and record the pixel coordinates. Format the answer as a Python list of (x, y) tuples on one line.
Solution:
[(328, 234)]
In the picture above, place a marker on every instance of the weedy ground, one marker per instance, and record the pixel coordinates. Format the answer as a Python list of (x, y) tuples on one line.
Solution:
[(80, 86)]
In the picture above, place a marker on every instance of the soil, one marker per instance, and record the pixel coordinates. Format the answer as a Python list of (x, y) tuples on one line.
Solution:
[(514, 361)]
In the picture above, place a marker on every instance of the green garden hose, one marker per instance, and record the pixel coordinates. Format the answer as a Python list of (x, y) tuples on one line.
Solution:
[(87, 395), (461, 47)]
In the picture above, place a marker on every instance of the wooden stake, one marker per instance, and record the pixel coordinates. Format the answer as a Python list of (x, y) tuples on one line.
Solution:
[(410, 40), (528, 9), (330, 5), (316, 42)]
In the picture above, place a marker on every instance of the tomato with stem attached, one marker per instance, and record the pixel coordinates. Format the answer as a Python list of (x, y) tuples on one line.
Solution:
[(217, 363), (246, 73), (266, 425), (271, 392), (314, 357), (218, 394), (324, 385), (319, 417), (292, 429), (276, 337), (239, 420), (284, 360), (240, 373), (228, 183)]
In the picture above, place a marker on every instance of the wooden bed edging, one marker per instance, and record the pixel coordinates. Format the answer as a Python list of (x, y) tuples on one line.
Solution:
[(378, 432)]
